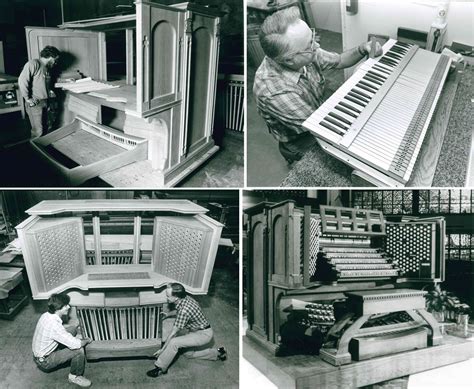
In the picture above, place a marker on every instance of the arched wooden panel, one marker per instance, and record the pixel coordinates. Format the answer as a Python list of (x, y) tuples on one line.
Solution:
[(258, 280), (279, 235), (164, 56)]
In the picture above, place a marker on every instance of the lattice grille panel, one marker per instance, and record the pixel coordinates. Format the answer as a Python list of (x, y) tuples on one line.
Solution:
[(180, 250), (60, 249), (119, 323), (111, 257), (234, 113), (315, 232), (410, 245)]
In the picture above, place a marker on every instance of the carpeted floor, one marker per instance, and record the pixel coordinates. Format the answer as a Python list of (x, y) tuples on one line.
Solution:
[(452, 165)]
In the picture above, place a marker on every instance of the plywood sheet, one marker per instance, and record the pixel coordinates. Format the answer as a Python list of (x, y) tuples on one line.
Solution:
[(86, 148)]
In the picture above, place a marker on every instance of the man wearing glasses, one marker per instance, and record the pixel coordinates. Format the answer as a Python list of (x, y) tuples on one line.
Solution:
[(289, 83), (54, 345)]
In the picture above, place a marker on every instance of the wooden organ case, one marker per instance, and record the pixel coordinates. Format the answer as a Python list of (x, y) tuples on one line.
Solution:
[(114, 259), (164, 129), (335, 273)]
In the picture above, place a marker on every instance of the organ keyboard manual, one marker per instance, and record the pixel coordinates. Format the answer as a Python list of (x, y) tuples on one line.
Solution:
[(377, 120)]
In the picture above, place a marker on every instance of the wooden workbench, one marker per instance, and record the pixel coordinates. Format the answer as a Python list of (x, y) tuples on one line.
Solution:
[(308, 371), (11, 83), (448, 139)]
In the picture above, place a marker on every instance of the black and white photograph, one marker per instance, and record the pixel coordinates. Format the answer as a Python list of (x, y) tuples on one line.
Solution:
[(119, 289), (360, 93), (122, 93), (358, 288)]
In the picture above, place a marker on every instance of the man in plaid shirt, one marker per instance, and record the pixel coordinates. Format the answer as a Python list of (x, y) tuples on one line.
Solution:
[(190, 330), (289, 83), (50, 334)]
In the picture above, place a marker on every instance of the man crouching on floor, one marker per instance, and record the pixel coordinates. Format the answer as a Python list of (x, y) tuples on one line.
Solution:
[(54, 345), (191, 331)]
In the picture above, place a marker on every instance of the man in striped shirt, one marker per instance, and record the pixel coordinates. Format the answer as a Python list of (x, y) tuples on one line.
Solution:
[(50, 334), (190, 330), (289, 83)]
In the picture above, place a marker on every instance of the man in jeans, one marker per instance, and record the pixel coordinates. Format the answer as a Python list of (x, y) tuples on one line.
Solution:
[(34, 83), (191, 331), (50, 333)]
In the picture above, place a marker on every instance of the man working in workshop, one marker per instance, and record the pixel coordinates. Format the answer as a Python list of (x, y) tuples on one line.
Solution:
[(35, 86), (190, 330), (54, 345), (289, 83)]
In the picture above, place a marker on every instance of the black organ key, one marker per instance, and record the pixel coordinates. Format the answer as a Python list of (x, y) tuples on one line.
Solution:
[(393, 56), (357, 96), (336, 123), (366, 84), (355, 101), (381, 69), (377, 76), (338, 117), (373, 79), (368, 89), (332, 128), (339, 107), (348, 106)]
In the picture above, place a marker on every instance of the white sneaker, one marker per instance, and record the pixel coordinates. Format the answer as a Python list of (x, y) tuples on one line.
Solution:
[(79, 380)]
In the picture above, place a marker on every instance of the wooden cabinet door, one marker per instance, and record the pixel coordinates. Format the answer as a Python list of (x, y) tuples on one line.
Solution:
[(184, 249), (160, 37), (82, 51), (202, 69), (54, 252)]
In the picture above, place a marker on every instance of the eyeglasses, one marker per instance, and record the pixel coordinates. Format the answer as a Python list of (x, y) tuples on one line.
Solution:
[(314, 45)]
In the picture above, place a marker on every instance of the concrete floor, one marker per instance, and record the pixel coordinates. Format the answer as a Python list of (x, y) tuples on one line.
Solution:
[(22, 166), (221, 306), (265, 165)]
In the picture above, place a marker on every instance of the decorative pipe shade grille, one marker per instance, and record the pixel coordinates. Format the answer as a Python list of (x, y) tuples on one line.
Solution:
[(315, 231), (59, 249), (119, 323), (234, 110), (411, 246), (180, 251), (111, 257)]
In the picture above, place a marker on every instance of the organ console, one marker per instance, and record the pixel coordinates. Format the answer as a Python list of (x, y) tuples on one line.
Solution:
[(114, 259), (335, 273), (377, 120)]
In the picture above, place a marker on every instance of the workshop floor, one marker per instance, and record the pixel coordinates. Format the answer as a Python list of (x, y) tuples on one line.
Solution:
[(221, 306), (262, 149), (22, 167)]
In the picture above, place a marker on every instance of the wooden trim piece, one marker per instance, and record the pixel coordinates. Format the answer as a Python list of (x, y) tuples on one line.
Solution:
[(315, 373), (129, 55), (54, 207), (137, 225), (97, 242)]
